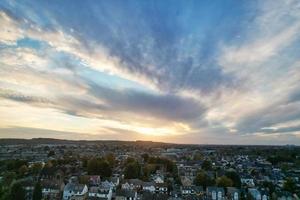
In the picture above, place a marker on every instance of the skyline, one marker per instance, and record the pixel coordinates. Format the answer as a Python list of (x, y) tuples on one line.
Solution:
[(195, 72)]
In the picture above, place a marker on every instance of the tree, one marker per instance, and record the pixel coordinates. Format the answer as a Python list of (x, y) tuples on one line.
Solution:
[(132, 170), (92, 166), (99, 167), (269, 185), (206, 165), (84, 162), (224, 181), (146, 173), (289, 185), (51, 153), (4, 193), (37, 192), (111, 159), (36, 168), (145, 157), (46, 148), (202, 179), (235, 177), (14, 165), (104, 168), (8, 178), (197, 156), (129, 160), (23, 170), (17, 192)]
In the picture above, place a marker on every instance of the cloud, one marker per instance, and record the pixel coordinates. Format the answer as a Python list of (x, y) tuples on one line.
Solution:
[(165, 106), (213, 71), (149, 51), (281, 130), (23, 98)]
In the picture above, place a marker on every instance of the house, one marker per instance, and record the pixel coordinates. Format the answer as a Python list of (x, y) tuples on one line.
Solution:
[(94, 180), (100, 192), (132, 184), (149, 186), (215, 193), (198, 190), (186, 190), (75, 191), (126, 195), (254, 193), (152, 196), (52, 173), (264, 194), (192, 190), (161, 188), (233, 193), (28, 186), (249, 182), (158, 178), (186, 181), (115, 181), (107, 184), (52, 189), (176, 192)]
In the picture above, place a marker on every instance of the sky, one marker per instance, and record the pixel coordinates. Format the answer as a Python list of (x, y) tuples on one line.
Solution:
[(182, 71)]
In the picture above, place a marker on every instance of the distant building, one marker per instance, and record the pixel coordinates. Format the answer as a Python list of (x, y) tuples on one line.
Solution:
[(255, 193), (126, 195), (75, 191), (233, 193), (52, 189), (215, 193)]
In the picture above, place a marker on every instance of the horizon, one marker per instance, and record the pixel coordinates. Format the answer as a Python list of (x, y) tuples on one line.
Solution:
[(136, 141), (150, 141), (196, 72)]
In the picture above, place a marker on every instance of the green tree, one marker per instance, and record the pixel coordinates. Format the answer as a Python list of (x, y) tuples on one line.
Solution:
[(145, 157), (289, 185), (132, 170), (36, 168), (129, 160), (197, 156), (8, 178), (99, 166), (17, 192), (146, 173), (206, 165), (202, 179), (111, 159), (224, 181), (235, 177), (104, 168), (4, 193), (270, 186), (37, 192), (92, 166), (14, 165), (23, 170)]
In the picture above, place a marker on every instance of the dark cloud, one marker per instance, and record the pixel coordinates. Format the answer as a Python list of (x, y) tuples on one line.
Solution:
[(295, 96), (19, 97), (161, 106), (268, 117), (164, 106), (283, 130)]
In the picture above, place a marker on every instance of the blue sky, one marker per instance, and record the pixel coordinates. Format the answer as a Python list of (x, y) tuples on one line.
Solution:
[(222, 72)]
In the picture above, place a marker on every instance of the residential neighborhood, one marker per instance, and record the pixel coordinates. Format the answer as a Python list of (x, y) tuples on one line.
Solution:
[(94, 170)]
